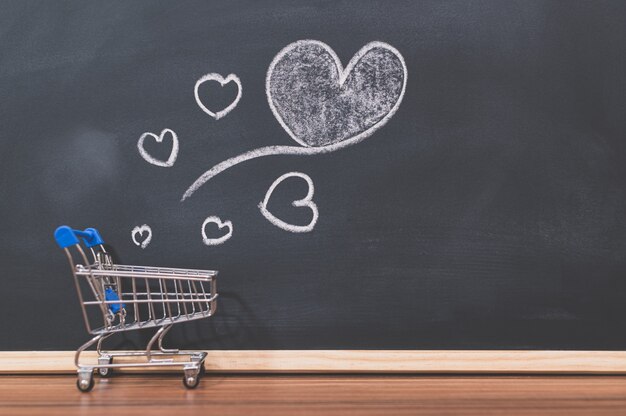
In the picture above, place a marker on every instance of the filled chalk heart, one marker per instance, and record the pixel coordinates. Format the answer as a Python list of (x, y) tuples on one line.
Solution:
[(321, 104)]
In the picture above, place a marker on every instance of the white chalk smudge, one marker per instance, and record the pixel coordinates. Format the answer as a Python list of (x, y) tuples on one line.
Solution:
[(223, 81), (307, 201), (216, 241), (323, 106), (159, 139), (138, 232)]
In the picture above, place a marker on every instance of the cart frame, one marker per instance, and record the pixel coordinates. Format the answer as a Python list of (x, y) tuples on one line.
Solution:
[(156, 297)]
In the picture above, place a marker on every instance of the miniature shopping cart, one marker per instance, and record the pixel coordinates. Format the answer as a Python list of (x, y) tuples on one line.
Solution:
[(125, 298)]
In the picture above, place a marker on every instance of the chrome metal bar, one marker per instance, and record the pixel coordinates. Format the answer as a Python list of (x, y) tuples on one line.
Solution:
[(196, 357), (166, 350), (82, 271), (135, 304), (156, 336), (183, 301), (99, 346), (163, 269), (84, 347)]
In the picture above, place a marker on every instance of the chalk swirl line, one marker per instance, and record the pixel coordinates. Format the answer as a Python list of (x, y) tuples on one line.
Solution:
[(253, 154)]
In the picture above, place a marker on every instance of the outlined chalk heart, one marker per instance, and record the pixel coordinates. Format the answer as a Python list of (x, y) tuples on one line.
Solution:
[(223, 81), (159, 139), (307, 201), (138, 235), (321, 104), (216, 241)]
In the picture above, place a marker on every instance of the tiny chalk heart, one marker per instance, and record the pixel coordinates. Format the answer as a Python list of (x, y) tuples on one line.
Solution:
[(142, 235), (222, 81), (217, 240), (159, 139)]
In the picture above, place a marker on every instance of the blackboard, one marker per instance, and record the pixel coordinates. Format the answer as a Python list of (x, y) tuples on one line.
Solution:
[(488, 212)]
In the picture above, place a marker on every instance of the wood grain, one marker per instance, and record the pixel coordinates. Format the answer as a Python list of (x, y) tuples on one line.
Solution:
[(315, 395), (352, 361)]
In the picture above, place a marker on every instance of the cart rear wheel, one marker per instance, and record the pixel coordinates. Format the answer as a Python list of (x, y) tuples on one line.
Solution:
[(85, 385), (191, 382)]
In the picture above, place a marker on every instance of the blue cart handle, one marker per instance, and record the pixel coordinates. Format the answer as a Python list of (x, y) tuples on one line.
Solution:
[(66, 237)]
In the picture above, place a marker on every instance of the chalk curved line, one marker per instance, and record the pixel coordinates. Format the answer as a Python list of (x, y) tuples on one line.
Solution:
[(159, 139), (140, 230), (307, 201), (304, 149), (343, 75), (223, 81), (216, 241), (253, 154)]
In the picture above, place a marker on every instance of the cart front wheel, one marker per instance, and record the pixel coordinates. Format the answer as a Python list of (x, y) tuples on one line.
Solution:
[(191, 382), (84, 384)]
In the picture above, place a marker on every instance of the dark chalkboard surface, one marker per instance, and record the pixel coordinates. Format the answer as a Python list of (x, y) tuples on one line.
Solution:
[(488, 212)]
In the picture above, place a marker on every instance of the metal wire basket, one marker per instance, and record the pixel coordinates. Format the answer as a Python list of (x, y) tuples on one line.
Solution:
[(116, 298)]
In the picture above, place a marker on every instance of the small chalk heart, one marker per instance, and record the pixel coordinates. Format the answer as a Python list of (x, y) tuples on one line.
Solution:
[(307, 201), (222, 81), (159, 139), (220, 240), (138, 235)]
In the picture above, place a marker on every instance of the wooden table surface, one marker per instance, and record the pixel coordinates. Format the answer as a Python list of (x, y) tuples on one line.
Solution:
[(391, 395)]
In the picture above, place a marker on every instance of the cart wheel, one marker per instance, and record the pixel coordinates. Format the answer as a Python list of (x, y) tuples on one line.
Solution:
[(191, 382), (85, 385), (103, 371), (202, 370)]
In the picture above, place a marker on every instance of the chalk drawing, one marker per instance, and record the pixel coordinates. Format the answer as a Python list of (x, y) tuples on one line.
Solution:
[(216, 241), (223, 81), (307, 201), (138, 233), (322, 106), (159, 139)]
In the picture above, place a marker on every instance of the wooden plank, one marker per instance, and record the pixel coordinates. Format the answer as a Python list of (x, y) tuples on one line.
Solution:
[(354, 361), (329, 395)]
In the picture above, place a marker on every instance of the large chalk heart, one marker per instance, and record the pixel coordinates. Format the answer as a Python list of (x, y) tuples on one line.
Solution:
[(320, 104)]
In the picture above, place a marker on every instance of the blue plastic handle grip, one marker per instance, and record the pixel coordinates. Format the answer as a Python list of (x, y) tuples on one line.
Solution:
[(110, 294), (66, 236)]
